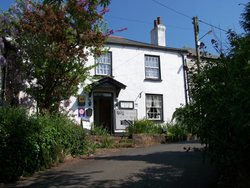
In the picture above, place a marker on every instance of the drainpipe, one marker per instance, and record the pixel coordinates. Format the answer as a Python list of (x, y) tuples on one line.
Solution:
[(185, 79)]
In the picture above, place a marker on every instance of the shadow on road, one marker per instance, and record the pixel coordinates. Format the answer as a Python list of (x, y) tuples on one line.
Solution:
[(169, 169)]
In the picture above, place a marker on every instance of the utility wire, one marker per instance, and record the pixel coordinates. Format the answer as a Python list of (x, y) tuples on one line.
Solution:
[(213, 26), (180, 13), (187, 16)]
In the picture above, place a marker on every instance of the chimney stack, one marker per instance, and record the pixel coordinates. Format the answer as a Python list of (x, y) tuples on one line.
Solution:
[(158, 33)]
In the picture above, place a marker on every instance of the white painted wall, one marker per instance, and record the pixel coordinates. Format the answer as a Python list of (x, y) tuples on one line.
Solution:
[(128, 68)]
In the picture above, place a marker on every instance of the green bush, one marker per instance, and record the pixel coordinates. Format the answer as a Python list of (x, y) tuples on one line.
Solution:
[(104, 137), (58, 137), (18, 148), (28, 144), (144, 126), (99, 130), (89, 146), (185, 117), (220, 106), (176, 132), (106, 142)]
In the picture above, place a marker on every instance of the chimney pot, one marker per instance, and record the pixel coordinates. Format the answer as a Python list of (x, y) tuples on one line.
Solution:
[(155, 23), (158, 20)]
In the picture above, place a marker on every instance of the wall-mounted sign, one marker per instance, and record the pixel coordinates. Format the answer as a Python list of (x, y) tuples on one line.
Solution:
[(81, 100), (124, 118), (81, 112), (126, 104), (89, 112)]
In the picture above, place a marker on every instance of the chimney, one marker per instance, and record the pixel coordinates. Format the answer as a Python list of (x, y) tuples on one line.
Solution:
[(158, 33)]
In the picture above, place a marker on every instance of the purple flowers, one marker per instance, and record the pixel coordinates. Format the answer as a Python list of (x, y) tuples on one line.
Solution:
[(1, 43), (111, 31), (104, 11), (2, 60), (29, 7), (81, 2), (16, 9), (19, 8)]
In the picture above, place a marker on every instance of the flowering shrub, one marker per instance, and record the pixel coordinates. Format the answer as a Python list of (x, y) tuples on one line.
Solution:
[(52, 41)]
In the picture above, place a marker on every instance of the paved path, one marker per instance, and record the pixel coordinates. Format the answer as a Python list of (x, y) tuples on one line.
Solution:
[(166, 165)]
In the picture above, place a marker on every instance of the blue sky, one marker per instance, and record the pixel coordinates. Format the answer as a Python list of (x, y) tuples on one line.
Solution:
[(138, 17)]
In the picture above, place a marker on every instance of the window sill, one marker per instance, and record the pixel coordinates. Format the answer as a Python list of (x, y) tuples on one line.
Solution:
[(152, 80), (158, 121), (99, 76)]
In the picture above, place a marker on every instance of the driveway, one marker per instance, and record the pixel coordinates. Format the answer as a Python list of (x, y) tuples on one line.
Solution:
[(165, 165)]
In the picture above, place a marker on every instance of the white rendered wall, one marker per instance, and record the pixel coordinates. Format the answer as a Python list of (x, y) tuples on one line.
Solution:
[(128, 68)]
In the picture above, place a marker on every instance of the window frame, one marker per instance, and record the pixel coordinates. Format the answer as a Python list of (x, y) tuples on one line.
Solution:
[(161, 107), (146, 67), (111, 65)]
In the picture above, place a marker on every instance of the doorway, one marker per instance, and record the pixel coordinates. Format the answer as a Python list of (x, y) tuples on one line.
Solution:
[(103, 110)]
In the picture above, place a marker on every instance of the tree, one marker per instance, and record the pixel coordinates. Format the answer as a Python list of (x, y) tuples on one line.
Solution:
[(54, 40), (220, 108), (245, 23)]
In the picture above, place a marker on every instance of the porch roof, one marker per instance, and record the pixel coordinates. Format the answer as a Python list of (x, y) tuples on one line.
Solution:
[(107, 82)]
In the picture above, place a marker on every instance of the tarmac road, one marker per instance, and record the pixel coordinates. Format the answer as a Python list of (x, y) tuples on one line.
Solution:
[(165, 165)]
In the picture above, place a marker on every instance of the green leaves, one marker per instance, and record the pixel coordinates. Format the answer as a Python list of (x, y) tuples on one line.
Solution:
[(144, 126), (28, 144), (53, 40), (220, 108)]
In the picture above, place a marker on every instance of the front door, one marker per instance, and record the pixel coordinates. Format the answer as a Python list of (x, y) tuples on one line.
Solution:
[(103, 110)]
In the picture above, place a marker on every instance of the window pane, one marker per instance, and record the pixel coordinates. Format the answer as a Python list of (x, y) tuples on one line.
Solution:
[(154, 107), (104, 64), (152, 67), (152, 73)]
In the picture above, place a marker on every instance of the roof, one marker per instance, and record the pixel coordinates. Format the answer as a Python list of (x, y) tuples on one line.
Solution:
[(127, 42), (110, 81), (192, 53), (107, 82)]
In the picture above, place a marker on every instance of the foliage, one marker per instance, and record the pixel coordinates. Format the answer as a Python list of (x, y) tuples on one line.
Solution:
[(185, 117), (102, 137), (220, 107), (99, 130), (53, 40), (106, 142), (245, 23), (28, 144), (144, 126), (176, 132), (17, 147)]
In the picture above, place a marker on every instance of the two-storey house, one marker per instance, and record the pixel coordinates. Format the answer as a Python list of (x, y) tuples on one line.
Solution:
[(137, 80)]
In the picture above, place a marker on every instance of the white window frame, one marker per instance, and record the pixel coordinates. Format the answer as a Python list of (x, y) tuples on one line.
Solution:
[(154, 107), (104, 65), (152, 67)]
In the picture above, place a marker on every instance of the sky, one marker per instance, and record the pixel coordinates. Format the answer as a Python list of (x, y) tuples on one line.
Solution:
[(138, 17)]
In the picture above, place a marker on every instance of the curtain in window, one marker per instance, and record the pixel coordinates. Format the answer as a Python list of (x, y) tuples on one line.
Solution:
[(104, 64), (154, 107), (152, 67)]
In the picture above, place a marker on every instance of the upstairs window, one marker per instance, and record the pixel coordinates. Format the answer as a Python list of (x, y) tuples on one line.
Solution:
[(104, 64), (154, 107), (152, 67)]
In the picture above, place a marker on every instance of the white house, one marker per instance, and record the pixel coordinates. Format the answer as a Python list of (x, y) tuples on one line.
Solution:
[(137, 80)]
